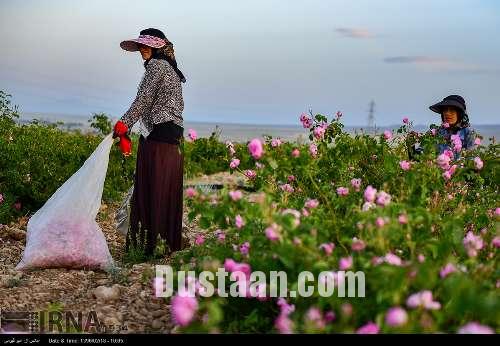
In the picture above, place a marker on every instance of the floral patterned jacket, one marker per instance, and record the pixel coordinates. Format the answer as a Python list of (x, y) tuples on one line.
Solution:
[(466, 136), (159, 97)]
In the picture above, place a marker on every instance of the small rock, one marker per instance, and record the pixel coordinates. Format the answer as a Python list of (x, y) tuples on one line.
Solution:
[(102, 282), (107, 293), (157, 324), (111, 321), (155, 306), (107, 309), (158, 313), (119, 316), (145, 312), (17, 234)]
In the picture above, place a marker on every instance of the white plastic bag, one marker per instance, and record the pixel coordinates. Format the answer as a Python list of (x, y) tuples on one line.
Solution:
[(64, 233), (122, 216)]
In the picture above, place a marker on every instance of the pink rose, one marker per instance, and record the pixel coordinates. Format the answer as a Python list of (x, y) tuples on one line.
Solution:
[(199, 240), (250, 174), (287, 188), (236, 195), (311, 203), (392, 259), (475, 328), (238, 221), (396, 317), (313, 150), (405, 165), (447, 175), (283, 324), (184, 309), (357, 244), (369, 328), (232, 266), (285, 308), (255, 148), (245, 248), (423, 299), (276, 142), (356, 184), (383, 198), (221, 236), (342, 191), (457, 142), (272, 233), (17, 206), (345, 263), (387, 135), (443, 161), (379, 222), (192, 135), (328, 248), (319, 132), (191, 192), (305, 120), (329, 316), (472, 244), (447, 270), (234, 163), (370, 194), (478, 163)]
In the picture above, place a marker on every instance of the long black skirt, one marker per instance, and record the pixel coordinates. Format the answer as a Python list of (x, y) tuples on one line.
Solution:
[(156, 203)]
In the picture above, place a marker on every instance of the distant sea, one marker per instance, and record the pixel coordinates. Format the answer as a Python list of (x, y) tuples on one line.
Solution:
[(242, 132)]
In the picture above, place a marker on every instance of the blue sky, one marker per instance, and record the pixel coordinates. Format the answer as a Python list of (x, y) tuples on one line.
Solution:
[(260, 61)]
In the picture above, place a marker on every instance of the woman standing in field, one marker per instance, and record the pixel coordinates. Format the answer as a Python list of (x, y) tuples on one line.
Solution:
[(156, 203), (455, 121)]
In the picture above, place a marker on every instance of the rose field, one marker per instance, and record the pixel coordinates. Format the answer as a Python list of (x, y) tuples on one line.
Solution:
[(422, 226)]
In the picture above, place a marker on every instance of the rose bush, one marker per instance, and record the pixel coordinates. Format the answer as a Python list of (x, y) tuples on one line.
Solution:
[(425, 241)]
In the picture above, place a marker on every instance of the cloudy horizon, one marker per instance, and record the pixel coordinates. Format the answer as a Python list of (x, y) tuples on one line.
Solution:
[(262, 62)]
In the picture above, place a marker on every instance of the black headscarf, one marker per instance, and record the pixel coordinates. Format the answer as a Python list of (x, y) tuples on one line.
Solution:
[(164, 53)]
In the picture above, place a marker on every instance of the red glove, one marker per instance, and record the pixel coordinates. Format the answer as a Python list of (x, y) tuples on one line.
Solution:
[(125, 144), (120, 129)]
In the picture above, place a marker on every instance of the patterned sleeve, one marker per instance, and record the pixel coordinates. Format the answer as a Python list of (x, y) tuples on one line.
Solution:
[(145, 95)]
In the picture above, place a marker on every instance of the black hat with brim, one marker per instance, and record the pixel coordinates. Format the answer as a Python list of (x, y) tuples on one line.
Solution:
[(450, 101)]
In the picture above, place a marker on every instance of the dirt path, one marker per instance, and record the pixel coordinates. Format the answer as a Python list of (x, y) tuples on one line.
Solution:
[(133, 304)]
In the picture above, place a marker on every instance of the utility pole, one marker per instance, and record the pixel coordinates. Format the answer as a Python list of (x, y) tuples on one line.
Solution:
[(371, 116)]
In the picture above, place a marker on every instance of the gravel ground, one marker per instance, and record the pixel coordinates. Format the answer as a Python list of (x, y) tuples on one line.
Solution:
[(123, 298)]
